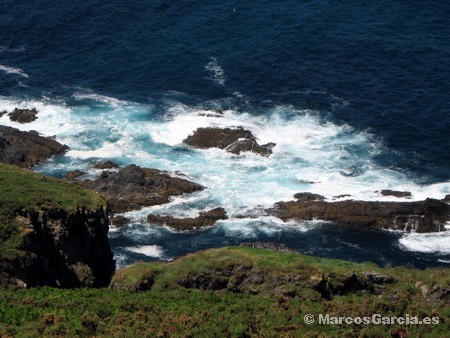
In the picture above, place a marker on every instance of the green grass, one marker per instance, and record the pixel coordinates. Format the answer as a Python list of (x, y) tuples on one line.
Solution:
[(23, 191), (169, 310)]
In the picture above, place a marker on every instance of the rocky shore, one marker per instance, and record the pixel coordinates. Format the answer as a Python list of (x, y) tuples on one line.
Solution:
[(26, 148), (421, 216)]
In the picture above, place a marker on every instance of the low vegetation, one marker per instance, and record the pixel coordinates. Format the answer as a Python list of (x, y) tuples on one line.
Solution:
[(235, 292)]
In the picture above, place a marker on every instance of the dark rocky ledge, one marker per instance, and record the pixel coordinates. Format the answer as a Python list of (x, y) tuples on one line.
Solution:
[(232, 140), (26, 148), (421, 216), (134, 187), (64, 249), (204, 219)]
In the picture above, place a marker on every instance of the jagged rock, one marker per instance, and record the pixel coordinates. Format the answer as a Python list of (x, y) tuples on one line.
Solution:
[(421, 216), (106, 165), (204, 219), (26, 148), (232, 140), (72, 175), (307, 196), (134, 187), (23, 115), (64, 249), (395, 193)]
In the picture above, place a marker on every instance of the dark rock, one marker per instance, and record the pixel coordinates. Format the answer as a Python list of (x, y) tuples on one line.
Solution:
[(26, 149), (421, 216), (23, 115), (447, 198), (232, 140), (399, 333), (270, 246), (119, 221), (341, 196), (134, 187), (72, 175), (378, 278), (204, 219), (106, 165), (64, 249), (395, 193), (307, 196)]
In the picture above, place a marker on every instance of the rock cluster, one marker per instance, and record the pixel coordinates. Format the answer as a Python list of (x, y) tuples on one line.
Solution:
[(23, 115), (235, 140)]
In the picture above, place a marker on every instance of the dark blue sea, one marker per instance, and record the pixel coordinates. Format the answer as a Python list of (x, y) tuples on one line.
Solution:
[(355, 94)]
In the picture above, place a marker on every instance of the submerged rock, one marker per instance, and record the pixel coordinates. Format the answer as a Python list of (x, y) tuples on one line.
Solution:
[(232, 140), (134, 187), (204, 219), (421, 216), (23, 115), (26, 148)]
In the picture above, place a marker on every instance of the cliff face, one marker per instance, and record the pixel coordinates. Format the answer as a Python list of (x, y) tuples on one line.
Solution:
[(64, 249)]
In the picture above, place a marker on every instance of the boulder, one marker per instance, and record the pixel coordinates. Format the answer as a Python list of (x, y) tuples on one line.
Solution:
[(421, 216), (23, 115), (204, 219), (74, 174), (134, 187), (235, 140), (26, 148), (106, 165)]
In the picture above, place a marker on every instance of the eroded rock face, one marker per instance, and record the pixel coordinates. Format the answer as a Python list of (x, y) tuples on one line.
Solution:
[(134, 187), (204, 219), (232, 140), (422, 216), (23, 115), (26, 148), (64, 249)]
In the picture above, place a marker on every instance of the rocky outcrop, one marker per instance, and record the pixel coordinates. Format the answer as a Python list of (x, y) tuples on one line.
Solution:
[(106, 165), (74, 174), (134, 187), (421, 216), (395, 193), (235, 140), (23, 115), (63, 249), (204, 219), (278, 247), (26, 149)]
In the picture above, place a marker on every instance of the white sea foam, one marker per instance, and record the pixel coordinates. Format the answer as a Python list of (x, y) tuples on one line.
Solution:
[(438, 242), (310, 154), (216, 71), (147, 250), (12, 70)]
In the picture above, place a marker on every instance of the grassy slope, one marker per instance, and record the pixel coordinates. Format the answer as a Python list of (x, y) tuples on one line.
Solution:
[(24, 190), (171, 310)]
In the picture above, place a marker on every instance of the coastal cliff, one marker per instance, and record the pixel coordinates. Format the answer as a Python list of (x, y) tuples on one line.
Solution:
[(51, 232)]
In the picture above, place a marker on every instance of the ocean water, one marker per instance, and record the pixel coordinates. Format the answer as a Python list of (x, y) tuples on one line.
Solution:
[(354, 94)]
